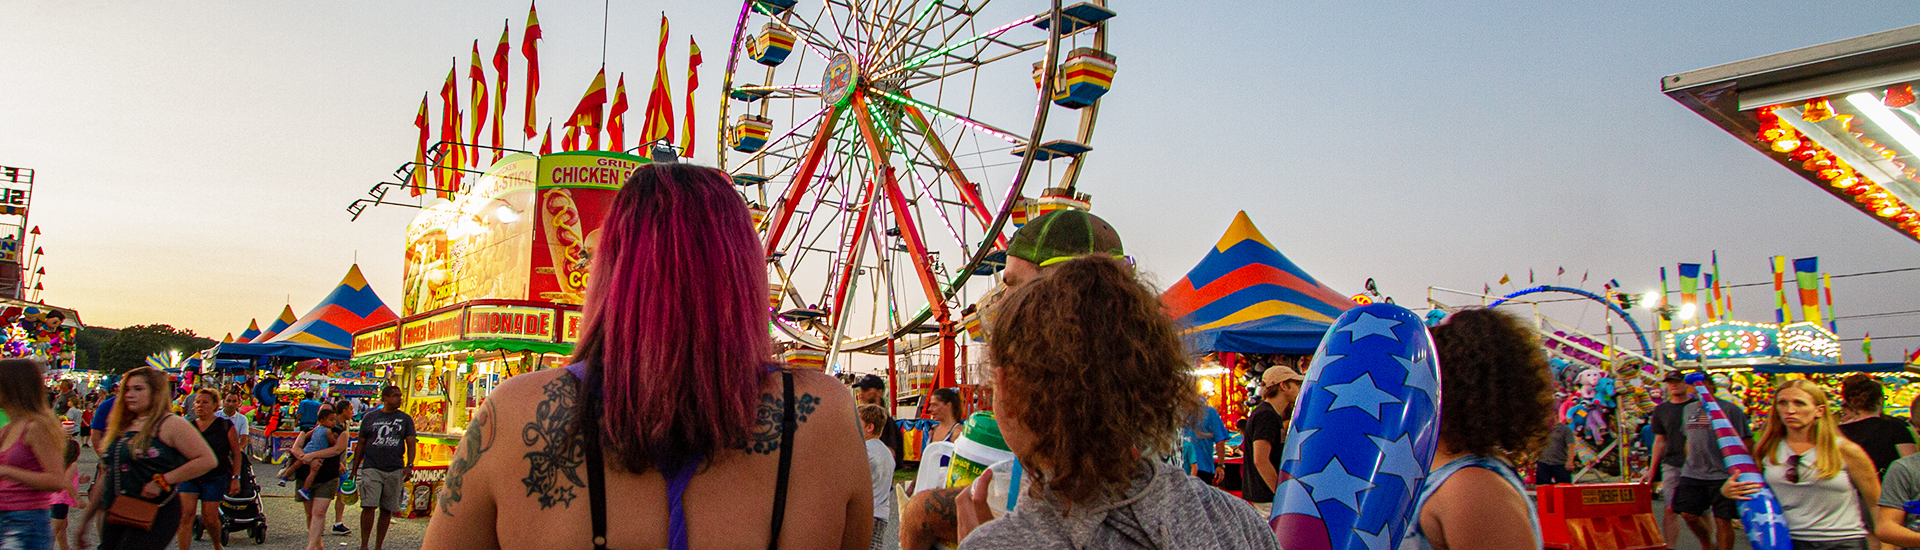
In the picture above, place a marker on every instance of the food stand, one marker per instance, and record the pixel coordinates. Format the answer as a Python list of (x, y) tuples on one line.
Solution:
[(491, 289), (1841, 115)]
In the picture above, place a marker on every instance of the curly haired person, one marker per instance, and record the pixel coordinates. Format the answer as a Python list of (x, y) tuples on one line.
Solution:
[(1064, 345), (1499, 395)]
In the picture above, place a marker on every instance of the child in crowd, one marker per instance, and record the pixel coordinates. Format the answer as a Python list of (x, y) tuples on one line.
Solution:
[(880, 467), (317, 440), (61, 502)]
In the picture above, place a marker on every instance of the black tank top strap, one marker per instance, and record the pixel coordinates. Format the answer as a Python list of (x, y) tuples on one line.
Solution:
[(597, 477), (788, 424)]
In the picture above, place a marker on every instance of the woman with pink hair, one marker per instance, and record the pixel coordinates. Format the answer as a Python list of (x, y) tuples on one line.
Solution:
[(673, 415)]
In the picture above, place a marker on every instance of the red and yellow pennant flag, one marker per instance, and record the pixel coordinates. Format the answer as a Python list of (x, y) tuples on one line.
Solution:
[(446, 178), (500, 91), (693, 83), (546, 140), (478, 74), (530, 47), (419, 179), (616, 117), (570, 141), (587, 115), (659, 123)]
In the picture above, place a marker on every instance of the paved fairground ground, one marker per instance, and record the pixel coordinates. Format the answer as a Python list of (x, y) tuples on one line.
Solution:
[(285, 525)]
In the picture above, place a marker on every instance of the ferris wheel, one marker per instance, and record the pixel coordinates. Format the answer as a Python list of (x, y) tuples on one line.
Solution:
[(886, 146)]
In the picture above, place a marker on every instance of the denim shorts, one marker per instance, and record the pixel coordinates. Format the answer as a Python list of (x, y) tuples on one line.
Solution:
[(210, 487), (26, 530)]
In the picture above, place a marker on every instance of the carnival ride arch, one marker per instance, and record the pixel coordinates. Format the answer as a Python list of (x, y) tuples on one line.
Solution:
[(1646, 350)]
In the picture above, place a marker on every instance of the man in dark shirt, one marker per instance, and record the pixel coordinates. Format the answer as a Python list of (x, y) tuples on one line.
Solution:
[(1884, 439), (382, 462), (1670, 444), (1267, 436)]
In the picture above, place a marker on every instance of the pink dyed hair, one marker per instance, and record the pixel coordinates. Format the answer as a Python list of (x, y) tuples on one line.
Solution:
[(675, 319)]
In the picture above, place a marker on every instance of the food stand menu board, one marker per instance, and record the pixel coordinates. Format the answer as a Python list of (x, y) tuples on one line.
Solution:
[(525, 231)]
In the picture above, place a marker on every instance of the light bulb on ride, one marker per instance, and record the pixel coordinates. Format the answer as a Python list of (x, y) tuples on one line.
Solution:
[(1687, 311), (1652, 299)]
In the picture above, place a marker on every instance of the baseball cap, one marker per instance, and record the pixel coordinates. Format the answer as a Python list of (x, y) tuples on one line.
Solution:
[(1277, 374), (870, 382), (1675, 376), (1064, 234)]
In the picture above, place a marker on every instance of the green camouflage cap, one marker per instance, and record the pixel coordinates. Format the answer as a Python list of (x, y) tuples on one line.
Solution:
[(1064, 234)]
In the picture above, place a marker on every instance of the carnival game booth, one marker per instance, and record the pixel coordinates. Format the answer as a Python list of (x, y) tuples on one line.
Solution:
[(1841, 115), (1748, 360), (319, 342), (33, 330), (491, 288)]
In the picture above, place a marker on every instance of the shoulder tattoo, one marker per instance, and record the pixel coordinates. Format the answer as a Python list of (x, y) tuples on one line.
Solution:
[(555, 449), (768, 416), (478, 439)]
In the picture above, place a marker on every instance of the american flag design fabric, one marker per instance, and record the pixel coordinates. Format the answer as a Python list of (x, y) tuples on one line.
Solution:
[(1761, 515)]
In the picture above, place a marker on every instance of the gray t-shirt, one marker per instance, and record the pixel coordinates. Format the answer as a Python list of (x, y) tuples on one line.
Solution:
[(1703, 447), (1556, 450), (1901, 485), (1165, 506)]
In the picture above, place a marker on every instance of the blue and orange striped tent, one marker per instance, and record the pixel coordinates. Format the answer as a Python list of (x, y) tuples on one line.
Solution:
[(1247, 297), (352, 306)]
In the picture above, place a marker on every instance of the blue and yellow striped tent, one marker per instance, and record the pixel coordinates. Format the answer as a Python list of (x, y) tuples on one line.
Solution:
[(286, 319), (1247, 297), (252, 333), (352, 306)]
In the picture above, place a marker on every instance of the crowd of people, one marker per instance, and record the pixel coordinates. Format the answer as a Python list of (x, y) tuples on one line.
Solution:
[(1844, 480), (671, 409), (672, 415), (166, 462)]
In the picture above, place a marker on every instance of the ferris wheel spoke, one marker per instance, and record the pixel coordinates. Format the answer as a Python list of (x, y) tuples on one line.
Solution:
[(930, 196), (969, 192), (902, 31), (786, 141), (800, 179), (923, 59), (807, 34), (890, 25), (983, 127)]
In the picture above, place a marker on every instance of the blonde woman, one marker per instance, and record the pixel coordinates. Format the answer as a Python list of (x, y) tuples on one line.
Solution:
[(1819, 476), (148, 451)]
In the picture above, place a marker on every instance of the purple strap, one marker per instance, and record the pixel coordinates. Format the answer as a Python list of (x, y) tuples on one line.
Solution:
[(677, 483), (677, 488)]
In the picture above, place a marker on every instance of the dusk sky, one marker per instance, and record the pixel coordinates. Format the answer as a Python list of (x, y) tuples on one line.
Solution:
[(195, 159)]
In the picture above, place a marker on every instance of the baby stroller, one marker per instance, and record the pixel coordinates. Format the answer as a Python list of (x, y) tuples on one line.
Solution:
[(241, 511)]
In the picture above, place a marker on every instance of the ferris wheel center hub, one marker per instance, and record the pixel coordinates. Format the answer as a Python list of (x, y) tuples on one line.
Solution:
[(841, 77)]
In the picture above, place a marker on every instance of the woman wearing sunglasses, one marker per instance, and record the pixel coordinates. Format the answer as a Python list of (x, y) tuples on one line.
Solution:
[(1819, 476)]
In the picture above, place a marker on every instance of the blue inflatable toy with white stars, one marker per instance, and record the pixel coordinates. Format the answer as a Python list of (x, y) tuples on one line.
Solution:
[(1363, 435)]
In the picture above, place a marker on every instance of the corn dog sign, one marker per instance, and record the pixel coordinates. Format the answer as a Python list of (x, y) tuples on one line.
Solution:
[(525, 230), (575, 191)]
